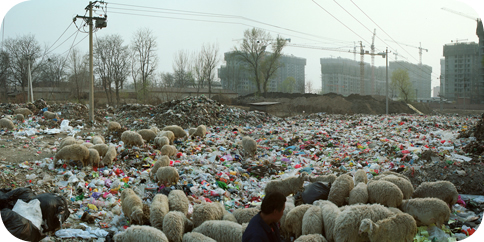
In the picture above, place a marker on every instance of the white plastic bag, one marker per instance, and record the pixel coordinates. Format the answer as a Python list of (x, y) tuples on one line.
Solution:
[(30, 211), (65, 128)]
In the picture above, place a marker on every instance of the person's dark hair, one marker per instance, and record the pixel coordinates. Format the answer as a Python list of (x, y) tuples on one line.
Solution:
[(274, 200)]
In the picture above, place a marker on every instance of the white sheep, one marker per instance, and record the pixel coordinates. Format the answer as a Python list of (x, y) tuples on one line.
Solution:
[(73, 152), (286, 186), (385, 193), (244, 215), (161, 141), (387, 173), (6, 123), (359, 194), (196, 237), (174, 225), (330, 212), (249, 145), (403, 184), (347, 223), (427, 211), (294, 219), (394, 210), (323, 178), (360, 176), (221, 230), (94, 157), (191, 131), (88, 145), (140, 233), (50, 115), (147, 134), (311, 238), (201, 131), (161, 162), (97, 140), (24, 111), (168, 150), (312, 222), (110, 155), (101, 149), (20, 117), (287, 208), (401, 227), (340, 190), (132, 138), (229, 216), (207, 211), (132, 206), (158, 209), (69, 141), (167, 133), (443, 190), (113, 126), (177, 131), (167, 175), (178, 201)]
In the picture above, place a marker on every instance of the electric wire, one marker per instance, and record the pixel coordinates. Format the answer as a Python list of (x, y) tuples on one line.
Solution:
[(59, 36)]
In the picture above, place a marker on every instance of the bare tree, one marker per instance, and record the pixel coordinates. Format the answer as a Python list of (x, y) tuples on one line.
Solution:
[(78, 71), (4, 74), (53, 71), (21, 51), (182, 70), (270, 62), (309, 87), (144, 49), (210, 59)]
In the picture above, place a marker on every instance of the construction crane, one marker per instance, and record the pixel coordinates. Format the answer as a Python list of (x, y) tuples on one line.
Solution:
[(461, 14), (418, 47), (362, 70), (457, 40), (373, 62), (396, 55)]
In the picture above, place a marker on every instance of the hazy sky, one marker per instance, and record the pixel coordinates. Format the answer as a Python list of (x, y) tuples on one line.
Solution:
[(184, 25)]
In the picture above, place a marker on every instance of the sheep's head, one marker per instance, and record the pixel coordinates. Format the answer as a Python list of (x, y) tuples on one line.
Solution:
[(366, 226), (304, 176)]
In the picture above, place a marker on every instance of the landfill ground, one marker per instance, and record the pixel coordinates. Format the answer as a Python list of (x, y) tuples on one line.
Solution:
[(214, 168)]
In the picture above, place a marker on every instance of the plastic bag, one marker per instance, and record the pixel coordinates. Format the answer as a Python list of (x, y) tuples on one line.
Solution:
[(9, 197), (315, 191), (53, 207), (19, 226), (30, 211), (65, 128), (437, 234)]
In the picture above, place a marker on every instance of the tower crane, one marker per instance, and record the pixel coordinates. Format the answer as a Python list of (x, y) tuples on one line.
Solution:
[(461, 14), (373, 62), (418, 47)]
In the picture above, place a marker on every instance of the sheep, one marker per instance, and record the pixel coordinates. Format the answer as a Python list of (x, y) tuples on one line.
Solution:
[(340, 190), (169, 150), (97, 140), (311, 238), (200, 131), (403, 184), (93, 157), (24, 111), (196, 237), (101, 149), (401, 227), (359, 194), (155, 129), (324, 178), (395, 210), (244, 215), (286, 186), (88, 145), (132, 138), (167, 133), (50, 115), (177, 131), (161, 141), (288, 207), (112, 126), (249, 145), (8, 117), (178, 201), (387, 173), (312, 222), (360, 176), (73, 152), (167, 175), (147, 134), (385, 193), (443, 190), (158, 209), (6, 123), (132, 206), (294, 219), (229, 216), (161, 162), (347, 223), (221, 230), (330, 212), (427, 211), (140, 233), (207, 211), (109, 156), (20, 117), (69, 141), (191, 131), (174, 226)]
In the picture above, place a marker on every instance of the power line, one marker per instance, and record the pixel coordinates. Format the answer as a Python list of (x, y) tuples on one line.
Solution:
[(63, 42), (59, 37)]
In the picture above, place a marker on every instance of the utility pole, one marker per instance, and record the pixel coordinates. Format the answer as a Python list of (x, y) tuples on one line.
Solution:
[(31, 92), (386, 93), (362, 70), (100, 23)]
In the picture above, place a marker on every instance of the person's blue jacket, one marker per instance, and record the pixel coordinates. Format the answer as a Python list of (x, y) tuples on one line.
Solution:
[(259, 231)]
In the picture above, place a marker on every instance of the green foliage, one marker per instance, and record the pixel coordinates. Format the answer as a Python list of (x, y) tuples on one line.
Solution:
[(288, 85), (402, 85)]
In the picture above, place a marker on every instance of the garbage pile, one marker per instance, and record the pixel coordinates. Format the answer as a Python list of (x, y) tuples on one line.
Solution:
[(216, 168)]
